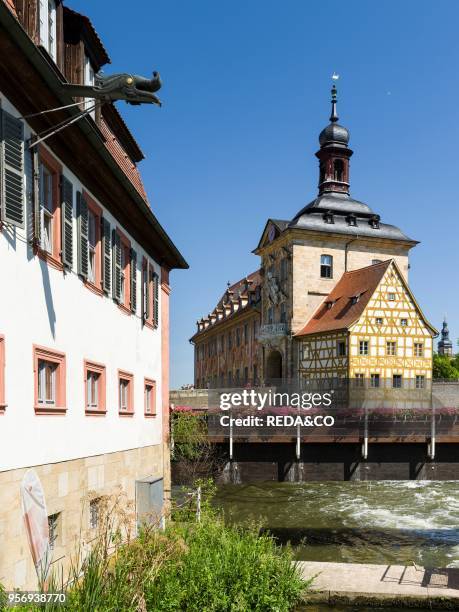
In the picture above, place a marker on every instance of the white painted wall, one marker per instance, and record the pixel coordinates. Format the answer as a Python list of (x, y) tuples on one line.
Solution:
[(41, 305)]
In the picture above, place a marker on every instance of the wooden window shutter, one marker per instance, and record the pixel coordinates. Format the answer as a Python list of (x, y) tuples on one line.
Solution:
[(33, 202), (145, 292), (83, 245), (67, 222), (116, 245), (12, 197), (106, 255), (133, 276), (155, 299)]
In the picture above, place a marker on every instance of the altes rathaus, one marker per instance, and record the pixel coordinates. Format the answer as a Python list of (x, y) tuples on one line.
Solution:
[(330, 299)]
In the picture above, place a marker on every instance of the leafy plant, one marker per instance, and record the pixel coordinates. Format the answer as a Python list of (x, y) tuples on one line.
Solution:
[(445, 367)]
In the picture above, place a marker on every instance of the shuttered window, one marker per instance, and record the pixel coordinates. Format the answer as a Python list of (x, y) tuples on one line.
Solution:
[(116, 249), (133, 275), (83, 246), (146, 310), (155, 300), (12, 199), (106, 256), (67, 222), (150, 295)]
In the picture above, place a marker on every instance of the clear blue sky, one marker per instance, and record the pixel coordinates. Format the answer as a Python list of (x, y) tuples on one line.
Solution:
[(246, 93)]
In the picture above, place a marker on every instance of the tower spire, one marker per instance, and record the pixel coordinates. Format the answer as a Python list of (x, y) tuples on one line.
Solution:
[(334, 114)]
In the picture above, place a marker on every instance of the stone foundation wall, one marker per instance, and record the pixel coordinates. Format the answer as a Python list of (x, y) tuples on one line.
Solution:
[(68, 487)]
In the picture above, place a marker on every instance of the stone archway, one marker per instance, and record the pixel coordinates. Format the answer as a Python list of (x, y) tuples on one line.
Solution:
[(274, 366)]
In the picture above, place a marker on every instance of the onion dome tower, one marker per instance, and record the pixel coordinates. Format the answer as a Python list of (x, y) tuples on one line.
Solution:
[(445, 346), (334, 154), (334, 210)]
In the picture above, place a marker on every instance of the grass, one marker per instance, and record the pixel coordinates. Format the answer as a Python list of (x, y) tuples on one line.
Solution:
[(191, 566)]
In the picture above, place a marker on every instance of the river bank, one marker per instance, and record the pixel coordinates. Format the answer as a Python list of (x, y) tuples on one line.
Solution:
[(396, 585)]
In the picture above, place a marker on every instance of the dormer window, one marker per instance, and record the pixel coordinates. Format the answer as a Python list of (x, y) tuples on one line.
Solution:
[(330, 304), (374, 222), (352, 220), (355, 298), (47, 15), (328, 217)]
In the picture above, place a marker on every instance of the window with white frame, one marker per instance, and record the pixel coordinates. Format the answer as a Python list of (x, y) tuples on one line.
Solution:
[(150, 399), (363, 347), (89, 80), (125, 392), (92, 242), (46, 208), (49, 381), (47, 16), (391, 348), (326, 266), (46, 383), (92, 389), (420, 382), (419, 349)]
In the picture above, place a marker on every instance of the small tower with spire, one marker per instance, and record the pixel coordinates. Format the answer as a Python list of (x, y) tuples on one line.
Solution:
[(334, 154), (445, 346)]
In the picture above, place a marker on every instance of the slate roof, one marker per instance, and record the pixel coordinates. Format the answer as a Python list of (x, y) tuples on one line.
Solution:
[(343, 312)]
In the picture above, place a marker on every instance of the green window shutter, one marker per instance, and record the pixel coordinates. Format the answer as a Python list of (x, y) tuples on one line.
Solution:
[(83, 246), (155, 299), (145, 292), (67, 222), (133, 276), (116, 246), (106, 256), (12, 197)]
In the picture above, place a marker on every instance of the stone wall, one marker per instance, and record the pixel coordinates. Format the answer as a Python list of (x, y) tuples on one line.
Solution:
[(194, 398), (446, 394), (68, 487)]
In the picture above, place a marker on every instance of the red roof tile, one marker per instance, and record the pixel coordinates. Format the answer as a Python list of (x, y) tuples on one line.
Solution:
[(122, 158), (343, 313)]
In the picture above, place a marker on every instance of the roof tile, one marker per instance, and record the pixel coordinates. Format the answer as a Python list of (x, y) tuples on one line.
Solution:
[(343, 312)]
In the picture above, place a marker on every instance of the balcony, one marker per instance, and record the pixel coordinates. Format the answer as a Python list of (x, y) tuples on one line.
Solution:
[(272, 330)]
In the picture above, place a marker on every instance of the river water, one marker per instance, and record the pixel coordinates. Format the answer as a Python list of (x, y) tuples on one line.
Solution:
[(397, 522)]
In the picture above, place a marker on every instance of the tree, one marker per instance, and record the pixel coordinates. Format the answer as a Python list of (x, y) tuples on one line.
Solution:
[(444, 367)]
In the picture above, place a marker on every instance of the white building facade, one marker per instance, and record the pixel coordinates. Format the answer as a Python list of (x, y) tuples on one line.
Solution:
[(83, 336)]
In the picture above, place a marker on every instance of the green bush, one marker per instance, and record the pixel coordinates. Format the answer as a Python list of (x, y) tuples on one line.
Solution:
[(225, 568), (190, 435), (202, 566), (445, 367)]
